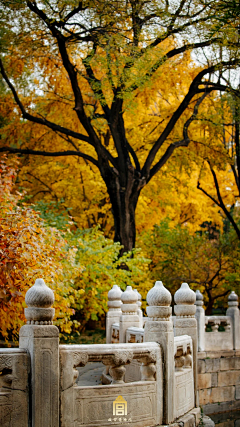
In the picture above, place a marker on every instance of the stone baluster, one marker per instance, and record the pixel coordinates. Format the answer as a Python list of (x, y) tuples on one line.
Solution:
[(114, 313), (185, 323), (116, 365), (139, 310), (41, 339), (233, 312), (179, 359), (215, 323), (129, 315), (148, 367), (200, 316), (159, 328)]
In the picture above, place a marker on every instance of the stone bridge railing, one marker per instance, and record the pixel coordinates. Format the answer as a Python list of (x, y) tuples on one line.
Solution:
[(93, 405), (218, 332), (214, 332), (149, 382)]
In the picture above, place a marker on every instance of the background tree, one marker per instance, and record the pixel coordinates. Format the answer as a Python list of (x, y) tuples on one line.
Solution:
[(207, 261), (69, 263), (108, 53), (224, 188)]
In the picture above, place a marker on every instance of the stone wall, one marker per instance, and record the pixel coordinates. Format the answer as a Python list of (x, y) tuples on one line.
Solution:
[(219, 380)]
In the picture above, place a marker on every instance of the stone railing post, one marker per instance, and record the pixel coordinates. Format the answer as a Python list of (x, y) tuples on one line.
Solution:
[(129, 315), (139, 310), (159, 328), (200, 316), (41, 339), (114, 313), (185, 323), (233, 312)]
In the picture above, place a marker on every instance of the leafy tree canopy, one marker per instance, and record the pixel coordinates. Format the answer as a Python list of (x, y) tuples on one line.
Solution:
[(99, 60)]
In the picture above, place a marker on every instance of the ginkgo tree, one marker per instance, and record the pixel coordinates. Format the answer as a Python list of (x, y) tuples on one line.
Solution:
[(97, 58), (31, 247), (224, 187)]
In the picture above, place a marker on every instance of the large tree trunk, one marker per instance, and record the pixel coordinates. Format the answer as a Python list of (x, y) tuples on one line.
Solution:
[(124, 201)]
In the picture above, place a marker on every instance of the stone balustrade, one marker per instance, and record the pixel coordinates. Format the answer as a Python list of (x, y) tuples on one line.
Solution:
[(134, 335), (148, 366), (216, 322), (114, 311), (183, 352), (184, 384), (144, 400), (218, 332), (115, 333)]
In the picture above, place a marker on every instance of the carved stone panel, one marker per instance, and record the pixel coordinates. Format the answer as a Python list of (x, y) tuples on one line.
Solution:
[(94, 406), (184, 391), (14, 388)]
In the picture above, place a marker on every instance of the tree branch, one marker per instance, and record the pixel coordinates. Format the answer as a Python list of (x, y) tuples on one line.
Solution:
[(220, 203), (183, 143), (49, 153), (44, 122), (193, 90)]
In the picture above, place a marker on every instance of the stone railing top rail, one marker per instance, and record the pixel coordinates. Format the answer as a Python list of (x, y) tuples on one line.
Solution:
[(134, 330), (99, 352), (14, 350), (115, 325), (184, 342), (217, 319)]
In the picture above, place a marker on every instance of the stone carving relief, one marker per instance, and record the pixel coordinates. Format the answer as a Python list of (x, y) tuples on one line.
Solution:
[(6, 376), (182, 353)]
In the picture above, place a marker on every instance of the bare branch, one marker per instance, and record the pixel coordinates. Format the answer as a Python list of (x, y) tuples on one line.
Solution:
[(49, 153), (41, 121)]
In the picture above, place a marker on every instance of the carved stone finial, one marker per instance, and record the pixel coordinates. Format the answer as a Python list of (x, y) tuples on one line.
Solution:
[(159, 300), (199, 298), (114, 298), (129, 301), (139, 302), (233, 299), (185, 299), (39, 299)]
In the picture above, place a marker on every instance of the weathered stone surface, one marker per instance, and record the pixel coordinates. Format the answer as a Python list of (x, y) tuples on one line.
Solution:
[(201, 366), (187, 420), (204, 380), (114, 313), (216, 395), (200, 316), (44, 354), (219, 407), (219, 340), (186, 324), (77, 401), (214, 379), (227, 378), (129, 315), (140, 399), (233, 312), (41, 339), (212, 365), (184, 392), (229, 363), (159, 328), (14, 387), (237, 392), (207, 422)]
